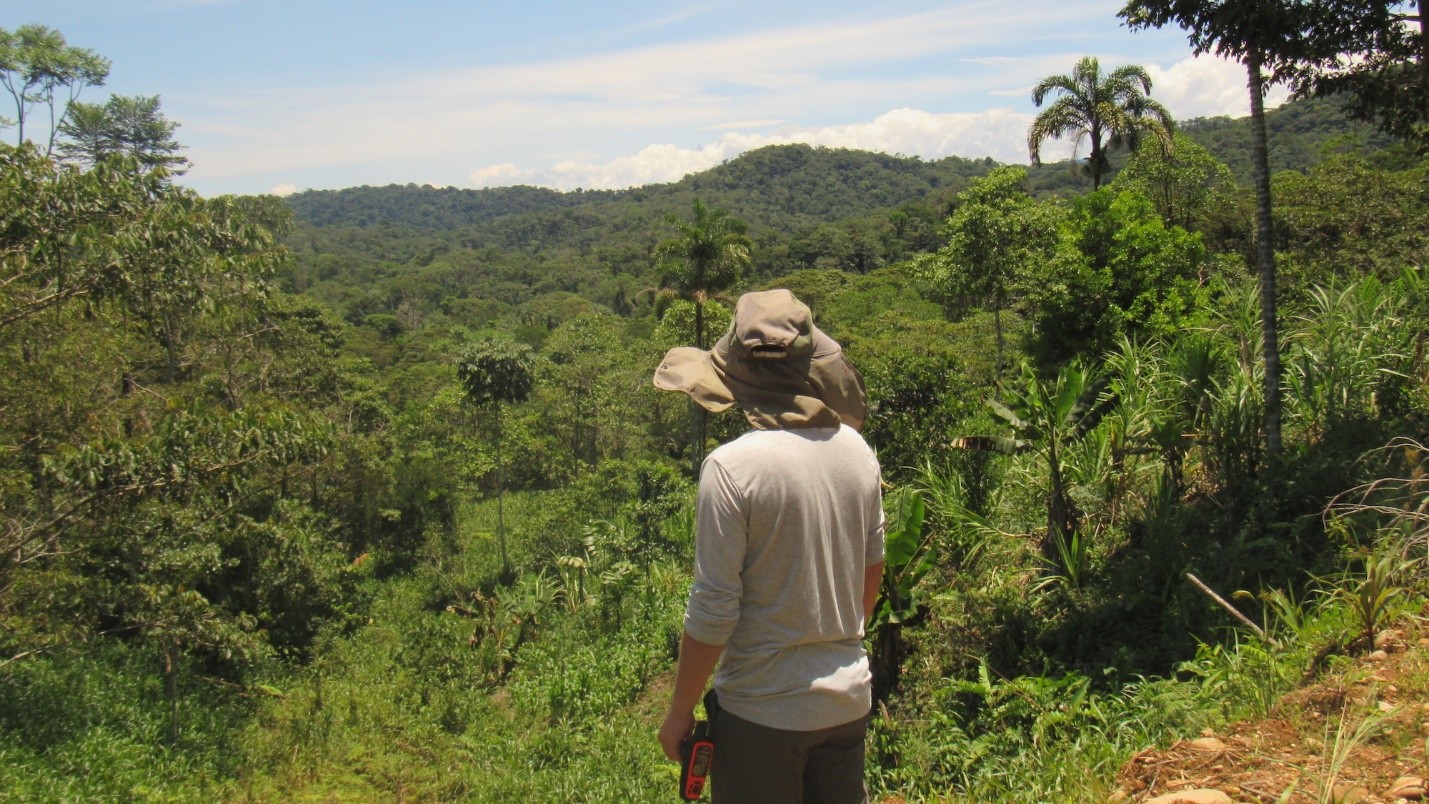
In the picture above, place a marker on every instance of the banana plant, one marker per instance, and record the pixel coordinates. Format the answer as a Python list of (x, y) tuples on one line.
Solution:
[(908, 558), (1048, 418)]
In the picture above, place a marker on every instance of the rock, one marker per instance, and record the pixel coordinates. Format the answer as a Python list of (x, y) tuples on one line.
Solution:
[(1207, 744), (1389, 640), (1350, 794), (1118, 797), (1198, 796), (1412, 788), (1378, 656)]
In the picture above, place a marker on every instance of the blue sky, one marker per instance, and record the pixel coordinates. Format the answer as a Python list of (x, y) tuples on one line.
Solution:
[(276, 96)]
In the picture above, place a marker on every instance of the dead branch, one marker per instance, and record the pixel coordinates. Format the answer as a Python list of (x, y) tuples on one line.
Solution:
[(1234, 612)]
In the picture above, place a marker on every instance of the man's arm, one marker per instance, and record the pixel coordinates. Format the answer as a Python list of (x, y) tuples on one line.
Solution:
[(697, 662), (872, 579)]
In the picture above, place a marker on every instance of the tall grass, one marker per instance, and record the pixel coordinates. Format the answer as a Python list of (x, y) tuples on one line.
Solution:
[(93, 726), (459, 690)]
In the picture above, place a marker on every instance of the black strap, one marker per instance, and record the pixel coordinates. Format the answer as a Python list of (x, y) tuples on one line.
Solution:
[(712, 707)]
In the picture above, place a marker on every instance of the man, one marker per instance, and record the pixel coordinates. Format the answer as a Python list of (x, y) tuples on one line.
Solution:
[(788, 559)]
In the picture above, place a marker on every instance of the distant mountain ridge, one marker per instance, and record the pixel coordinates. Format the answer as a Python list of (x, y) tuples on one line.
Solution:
[(423, 206), (782, 186), (1297, 134), (787, 188)]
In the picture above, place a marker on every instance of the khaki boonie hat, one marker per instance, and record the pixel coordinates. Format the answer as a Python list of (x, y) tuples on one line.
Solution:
[(780, 369)]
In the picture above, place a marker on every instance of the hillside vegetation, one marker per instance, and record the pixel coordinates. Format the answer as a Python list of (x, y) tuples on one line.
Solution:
[(274, 529)]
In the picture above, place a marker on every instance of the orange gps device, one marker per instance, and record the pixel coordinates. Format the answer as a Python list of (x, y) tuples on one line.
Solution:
[(697, 755)]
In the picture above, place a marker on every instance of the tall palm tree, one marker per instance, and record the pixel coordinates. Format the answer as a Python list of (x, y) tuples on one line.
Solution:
[(707, 255), (1111, 110)]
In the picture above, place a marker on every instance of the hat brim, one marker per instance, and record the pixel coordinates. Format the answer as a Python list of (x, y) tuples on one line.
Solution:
[(691, 371), (829, 391)]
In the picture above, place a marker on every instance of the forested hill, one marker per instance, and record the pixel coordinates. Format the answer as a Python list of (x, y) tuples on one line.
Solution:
[(1297, 135), (806, 207), (782, 186), (423, 206), (371, 249), (791, 185)]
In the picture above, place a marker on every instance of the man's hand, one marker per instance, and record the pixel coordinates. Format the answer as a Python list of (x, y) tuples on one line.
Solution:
[(677, 728), (697, 661)]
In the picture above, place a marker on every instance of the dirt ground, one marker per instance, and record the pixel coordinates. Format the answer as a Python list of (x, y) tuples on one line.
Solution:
[(1355, 735)]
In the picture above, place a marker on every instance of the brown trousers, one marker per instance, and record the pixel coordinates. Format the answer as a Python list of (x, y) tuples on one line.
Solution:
[(755, 764)]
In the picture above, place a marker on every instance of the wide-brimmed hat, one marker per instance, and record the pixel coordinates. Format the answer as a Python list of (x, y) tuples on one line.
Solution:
[(780, 369)]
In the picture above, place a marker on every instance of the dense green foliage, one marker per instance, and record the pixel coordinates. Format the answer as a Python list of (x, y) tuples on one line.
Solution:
[(380, 502), (132, 127), (1298, 133)]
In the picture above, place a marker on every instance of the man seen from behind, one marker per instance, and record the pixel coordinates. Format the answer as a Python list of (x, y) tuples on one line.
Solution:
[(788, 560)]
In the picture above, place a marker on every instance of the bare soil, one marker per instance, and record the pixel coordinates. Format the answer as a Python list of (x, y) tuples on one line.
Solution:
[(1306, 749)]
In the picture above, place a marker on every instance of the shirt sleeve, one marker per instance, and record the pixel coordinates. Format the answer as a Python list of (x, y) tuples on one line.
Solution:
[(721, 530), (874, 541), (873, 544)]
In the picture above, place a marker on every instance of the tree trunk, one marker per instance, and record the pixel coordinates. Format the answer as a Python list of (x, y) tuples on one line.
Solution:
[(1265, 256), (699, 424), (1096, 157), (1061, 512), (886, 660), (699, 321), (1423, 65), (697, 438), (997, 329), (500, 499), (171, 691)]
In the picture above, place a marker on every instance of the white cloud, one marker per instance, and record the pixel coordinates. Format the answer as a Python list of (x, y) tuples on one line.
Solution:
[(631, 117), (999, 133), (502, 175), (283, 190), (1207, 86), (1193, 87), (740, 124), (587, 108)]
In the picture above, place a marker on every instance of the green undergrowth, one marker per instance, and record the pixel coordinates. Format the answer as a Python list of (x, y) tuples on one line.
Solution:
[(460, 684), (1035, 738), (94, 726), (539, 690)]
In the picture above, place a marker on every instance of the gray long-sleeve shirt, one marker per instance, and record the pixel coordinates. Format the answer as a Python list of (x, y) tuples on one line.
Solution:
[(786, 522)]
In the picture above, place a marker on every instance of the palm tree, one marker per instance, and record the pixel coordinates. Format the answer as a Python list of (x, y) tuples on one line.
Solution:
[(1108, 110), (707, 255)]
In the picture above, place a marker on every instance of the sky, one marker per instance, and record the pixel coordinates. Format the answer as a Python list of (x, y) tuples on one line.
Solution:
[(278, 96)]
